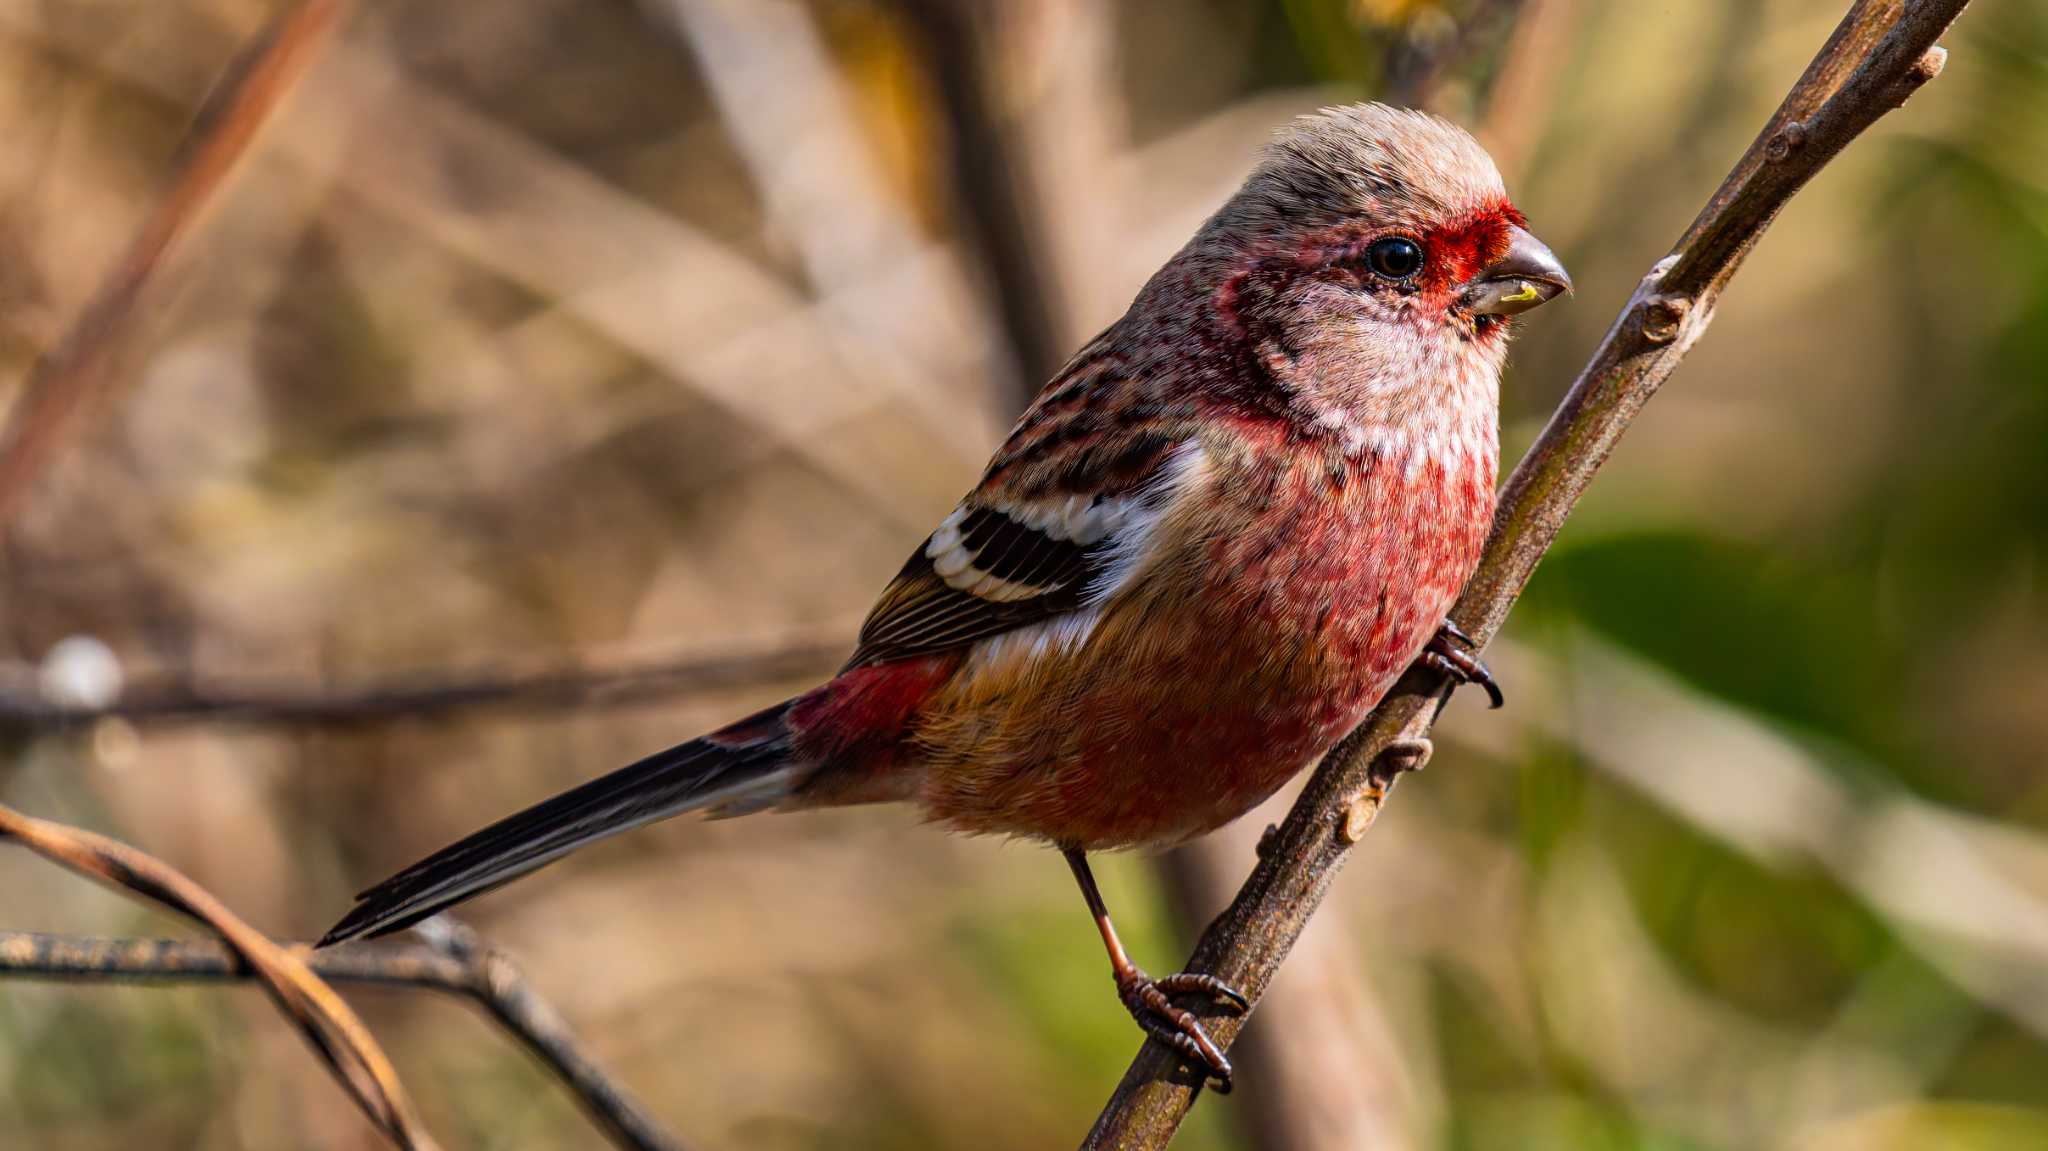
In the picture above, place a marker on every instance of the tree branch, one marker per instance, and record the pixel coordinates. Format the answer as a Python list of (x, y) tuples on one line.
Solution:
[(450, 958), (1881, 53)]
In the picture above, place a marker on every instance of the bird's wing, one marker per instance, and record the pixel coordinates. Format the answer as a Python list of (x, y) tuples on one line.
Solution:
[(1057, 524)]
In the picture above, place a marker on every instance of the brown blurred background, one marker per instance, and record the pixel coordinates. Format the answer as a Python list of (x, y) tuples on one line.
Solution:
[(543, 334)]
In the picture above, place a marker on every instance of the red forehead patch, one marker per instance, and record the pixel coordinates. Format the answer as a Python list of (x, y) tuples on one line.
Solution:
[(1460, 249)]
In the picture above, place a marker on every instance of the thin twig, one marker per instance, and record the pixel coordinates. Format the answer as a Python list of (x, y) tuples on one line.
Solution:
[(67, 380), (1881, 53), (328, 1024), (23, 706), (450, 958)]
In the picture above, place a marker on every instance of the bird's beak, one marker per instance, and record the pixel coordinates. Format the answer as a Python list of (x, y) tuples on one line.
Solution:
[(1526, 276)]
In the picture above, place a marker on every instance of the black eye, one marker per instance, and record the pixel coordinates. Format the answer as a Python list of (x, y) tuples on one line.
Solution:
[(1394, 258)]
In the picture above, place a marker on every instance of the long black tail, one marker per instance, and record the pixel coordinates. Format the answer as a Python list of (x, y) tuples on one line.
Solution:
[(737, 769)]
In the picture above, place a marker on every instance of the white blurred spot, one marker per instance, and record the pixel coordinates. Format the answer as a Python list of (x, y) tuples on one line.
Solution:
[(80, 671)]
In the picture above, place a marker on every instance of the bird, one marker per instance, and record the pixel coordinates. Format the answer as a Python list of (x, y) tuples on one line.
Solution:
[(1210, 545)]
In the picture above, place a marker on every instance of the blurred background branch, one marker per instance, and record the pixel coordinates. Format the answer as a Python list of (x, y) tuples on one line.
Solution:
[(28, 701), (991, 172), (1878, 56)]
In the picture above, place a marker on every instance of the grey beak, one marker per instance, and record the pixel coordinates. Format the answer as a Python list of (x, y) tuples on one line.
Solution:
[(1528, 275)]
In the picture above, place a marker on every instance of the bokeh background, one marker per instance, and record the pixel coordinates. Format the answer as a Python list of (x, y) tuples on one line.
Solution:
[(597, 334)]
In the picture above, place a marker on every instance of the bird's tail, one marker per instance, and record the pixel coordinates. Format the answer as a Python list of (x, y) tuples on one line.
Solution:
[(745, 767)]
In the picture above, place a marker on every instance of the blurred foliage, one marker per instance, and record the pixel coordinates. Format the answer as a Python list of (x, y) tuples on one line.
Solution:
[(469, 367)]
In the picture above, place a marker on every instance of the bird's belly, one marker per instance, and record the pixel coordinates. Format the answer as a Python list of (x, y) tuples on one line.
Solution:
[(1183, 711)]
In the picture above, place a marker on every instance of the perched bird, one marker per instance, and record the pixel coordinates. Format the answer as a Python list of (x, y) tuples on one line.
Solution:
[(1208, 548)]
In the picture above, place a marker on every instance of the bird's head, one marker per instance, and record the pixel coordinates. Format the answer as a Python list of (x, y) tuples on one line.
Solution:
[(1374, 250)]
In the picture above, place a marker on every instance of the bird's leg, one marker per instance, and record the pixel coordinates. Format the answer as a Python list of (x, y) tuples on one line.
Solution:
[(1148, 999), (1453, 653)]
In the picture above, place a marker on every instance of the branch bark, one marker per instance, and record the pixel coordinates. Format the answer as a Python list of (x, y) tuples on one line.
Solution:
[(1882, 52), (451, 959)]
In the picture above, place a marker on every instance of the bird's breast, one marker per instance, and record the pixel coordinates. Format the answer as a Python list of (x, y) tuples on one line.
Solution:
[(1342, 564)]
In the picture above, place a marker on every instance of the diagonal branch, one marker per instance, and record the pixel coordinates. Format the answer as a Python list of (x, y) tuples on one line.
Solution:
[(1881, 53), (68, 380), (332, 1029), (452, 959)]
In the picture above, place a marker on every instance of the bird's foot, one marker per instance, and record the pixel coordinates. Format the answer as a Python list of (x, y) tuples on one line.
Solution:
[(1150, 1002), (1453, 653)]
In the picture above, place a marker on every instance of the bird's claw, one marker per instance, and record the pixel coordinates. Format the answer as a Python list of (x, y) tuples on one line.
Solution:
[(1150, 1002), (1453, 653), (1202, 983)]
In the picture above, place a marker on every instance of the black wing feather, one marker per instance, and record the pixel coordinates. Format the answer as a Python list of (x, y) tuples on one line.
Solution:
[(921, 614)]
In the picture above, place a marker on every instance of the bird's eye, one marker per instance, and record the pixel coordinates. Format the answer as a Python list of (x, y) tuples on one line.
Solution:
[(1395, 258)]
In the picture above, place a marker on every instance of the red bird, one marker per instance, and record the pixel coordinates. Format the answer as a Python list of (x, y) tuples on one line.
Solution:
[(1207, 550)]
